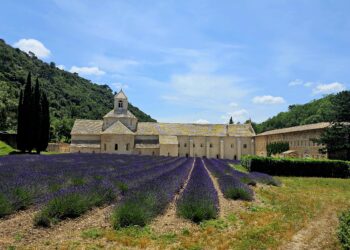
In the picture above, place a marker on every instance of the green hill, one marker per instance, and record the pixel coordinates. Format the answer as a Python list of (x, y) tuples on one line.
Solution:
[(315, 111), (70, 95)]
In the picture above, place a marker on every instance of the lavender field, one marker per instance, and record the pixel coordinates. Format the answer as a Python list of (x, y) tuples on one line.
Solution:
[(140, 187)]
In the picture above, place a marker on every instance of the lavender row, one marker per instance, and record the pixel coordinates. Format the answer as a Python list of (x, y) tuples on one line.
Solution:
[(199, 201), (231, 185), (35, 179), (146, 201)]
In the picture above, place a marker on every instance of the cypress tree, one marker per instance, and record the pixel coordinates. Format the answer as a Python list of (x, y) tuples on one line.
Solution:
[(27, 109), (45, 123), (20, 124), (38, 117), (231, 120)]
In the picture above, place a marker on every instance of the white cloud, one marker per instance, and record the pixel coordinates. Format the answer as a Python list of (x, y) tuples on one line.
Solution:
[(298, 82), (87, 70), (34, 46), (268, 99), (333, 87), (62, 67), (295, 82), (233, 104), (237, 116), (308, 84), (119, 85), (112, 64), (170, 98), (202, 121)]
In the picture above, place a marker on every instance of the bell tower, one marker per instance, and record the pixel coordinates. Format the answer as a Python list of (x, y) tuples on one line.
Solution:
[(120, 103)]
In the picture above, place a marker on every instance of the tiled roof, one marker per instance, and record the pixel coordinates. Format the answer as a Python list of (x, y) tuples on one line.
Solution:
[(152, 146), (118, 128), (96, 146), (113, 114), (314, 126), (168, 139), (152, 128), (87, 127), (240, 130), (120, 95)]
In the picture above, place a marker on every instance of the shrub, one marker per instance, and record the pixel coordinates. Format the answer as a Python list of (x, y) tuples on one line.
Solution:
[(276, 148), (233, 188), (196, 210), (344, 230), (297, 167), (137, 211), (21, 198), (5, 206)]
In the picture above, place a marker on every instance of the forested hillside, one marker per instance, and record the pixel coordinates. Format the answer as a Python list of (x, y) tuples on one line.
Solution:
[(315, 111), (70, 96)]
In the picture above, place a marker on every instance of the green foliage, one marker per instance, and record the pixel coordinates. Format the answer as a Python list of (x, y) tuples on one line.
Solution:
[(33, 120), (92, 233), (5, 206), (276, 148), (5, 149), (123, 187), (297, 167), (197, 211), (23, 198), (69, 95), (71, 206), (336, 138), (135, 212), (237, 193), (344, 230), (320, 110)]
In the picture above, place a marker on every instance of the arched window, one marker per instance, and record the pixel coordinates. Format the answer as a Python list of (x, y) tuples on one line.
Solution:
[(120, 104)]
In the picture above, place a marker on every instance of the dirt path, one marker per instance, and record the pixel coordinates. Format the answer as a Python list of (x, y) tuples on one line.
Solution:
[(169, 221), (318, 234), (18, 229)]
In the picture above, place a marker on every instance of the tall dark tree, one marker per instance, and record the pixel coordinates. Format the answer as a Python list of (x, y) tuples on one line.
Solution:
[(33, 118), (37, 115), (336, 138), (231, 121), (20, 124), (27, 109), (45, 123)]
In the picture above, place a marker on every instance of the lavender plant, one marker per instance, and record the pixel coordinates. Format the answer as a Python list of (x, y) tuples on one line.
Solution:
[(199, 201)]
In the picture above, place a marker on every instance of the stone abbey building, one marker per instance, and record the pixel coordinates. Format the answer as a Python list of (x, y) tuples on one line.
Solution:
[(120, 132)]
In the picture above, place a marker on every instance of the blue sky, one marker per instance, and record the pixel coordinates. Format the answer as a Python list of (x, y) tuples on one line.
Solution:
[(193, 61)]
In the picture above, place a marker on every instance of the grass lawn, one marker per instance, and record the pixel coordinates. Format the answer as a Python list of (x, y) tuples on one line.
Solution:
[(267, 223), (5, 149)]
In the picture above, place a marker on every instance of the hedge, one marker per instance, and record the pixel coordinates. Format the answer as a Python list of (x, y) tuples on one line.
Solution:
[(344, 230), (297, 167)]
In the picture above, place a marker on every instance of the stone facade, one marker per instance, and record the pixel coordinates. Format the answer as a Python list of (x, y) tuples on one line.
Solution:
[(119, 132), (299, 138)]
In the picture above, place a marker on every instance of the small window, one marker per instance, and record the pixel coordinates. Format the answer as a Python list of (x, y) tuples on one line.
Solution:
[(168, 154), (120, 104), (185, 145), (244, 145), (217, 157), (231, 145), (127, 147), (201, 145), (153, 153), (194, 145), (178, 145), (115, 147), (211, 145), (186, 155)]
